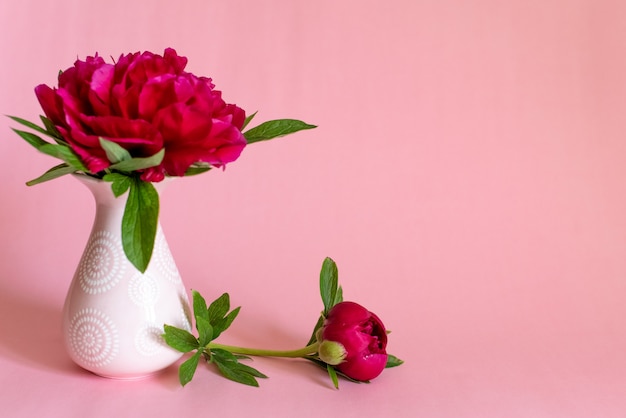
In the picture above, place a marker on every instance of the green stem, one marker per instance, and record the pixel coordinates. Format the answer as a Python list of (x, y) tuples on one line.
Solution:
[(309, 349)]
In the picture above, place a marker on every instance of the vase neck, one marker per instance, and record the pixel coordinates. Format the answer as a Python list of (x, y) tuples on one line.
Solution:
[(103, 193)]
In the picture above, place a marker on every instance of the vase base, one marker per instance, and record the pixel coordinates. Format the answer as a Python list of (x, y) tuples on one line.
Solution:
[(130, 377)]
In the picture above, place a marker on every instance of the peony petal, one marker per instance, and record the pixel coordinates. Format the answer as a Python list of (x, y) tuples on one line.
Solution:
[(51, 103), (157, 93), (364, 368), (100, 89), (177, 63)]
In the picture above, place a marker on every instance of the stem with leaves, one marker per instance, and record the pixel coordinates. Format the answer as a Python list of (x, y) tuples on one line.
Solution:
[(213, 320)]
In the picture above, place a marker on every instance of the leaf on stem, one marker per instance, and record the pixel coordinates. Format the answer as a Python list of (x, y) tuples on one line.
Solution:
[(188, 368), (199, 306), (205, 331), (179, 339), (120, 183), (140, 163), (228, 364), (333, 375), (139, 223), (330, 291), (219, 307), (323, 365), (114, 151), (393, 361), (219, 316), (65, 153), (318, 325), (31, 125), (248, 119), (53, 173), (329, 278), (31, 138), (197, 168), (275, 128), (223, 324), (52, 130)]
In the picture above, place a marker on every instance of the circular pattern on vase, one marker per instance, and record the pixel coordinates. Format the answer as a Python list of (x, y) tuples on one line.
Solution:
[(93, 338), (143, 290), (164, 260), (101, 266), (149, 340)]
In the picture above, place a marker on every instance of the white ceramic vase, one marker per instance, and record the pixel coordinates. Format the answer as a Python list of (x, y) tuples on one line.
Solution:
[(113, 315)]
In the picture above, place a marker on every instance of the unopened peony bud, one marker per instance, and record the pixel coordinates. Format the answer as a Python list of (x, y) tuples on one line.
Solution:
[(360, 334)]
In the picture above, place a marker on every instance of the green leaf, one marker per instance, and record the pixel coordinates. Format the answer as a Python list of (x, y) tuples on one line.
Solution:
[(230, 367), (219, 307), (179, 339), (275, 128), (65, 153), (205, 331), (324, 366), (220, 325), (61, 151), (199, 306), (53, 173), (121, 183), (52, 130), (30, 125), (224, 323), (197, 168), (393, 361), (217, 314), (248, 119), (115, 152), (338, 296), (329, 278), (188, 368), (135, 164), (318, 325), (31, 138), (139, 223), (333, 375)]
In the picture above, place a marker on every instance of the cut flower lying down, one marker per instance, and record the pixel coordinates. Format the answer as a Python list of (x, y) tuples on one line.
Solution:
[(348, 340), (353, 340)]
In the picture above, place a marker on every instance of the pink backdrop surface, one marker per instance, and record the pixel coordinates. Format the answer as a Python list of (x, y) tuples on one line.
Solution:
[(467, 176)]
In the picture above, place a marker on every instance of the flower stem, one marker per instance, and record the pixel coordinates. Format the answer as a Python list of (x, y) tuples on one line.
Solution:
[(301, 352)]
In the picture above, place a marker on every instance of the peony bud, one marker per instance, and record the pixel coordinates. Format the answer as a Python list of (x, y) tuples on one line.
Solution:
[(357, 338)]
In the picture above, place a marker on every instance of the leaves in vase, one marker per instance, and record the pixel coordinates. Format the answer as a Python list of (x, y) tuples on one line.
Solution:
[(115, 153), (275, 128), (139, 223), (53, 173), (139, 163)]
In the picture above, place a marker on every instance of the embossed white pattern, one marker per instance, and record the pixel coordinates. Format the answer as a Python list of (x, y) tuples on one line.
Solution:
[(143, 290), (164, 260), (101, 267), (93, 338), (149, 340)]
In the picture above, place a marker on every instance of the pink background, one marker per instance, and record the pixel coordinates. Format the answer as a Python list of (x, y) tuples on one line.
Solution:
[(467, 176)]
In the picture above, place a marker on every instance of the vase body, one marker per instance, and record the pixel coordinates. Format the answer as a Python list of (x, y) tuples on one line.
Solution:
[(113, 315)]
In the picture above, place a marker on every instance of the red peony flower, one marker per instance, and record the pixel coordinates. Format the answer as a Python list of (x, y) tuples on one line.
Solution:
[(354, 340), (144, 102)]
